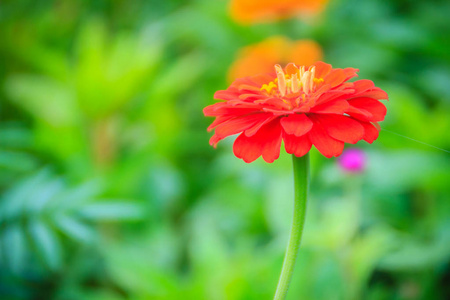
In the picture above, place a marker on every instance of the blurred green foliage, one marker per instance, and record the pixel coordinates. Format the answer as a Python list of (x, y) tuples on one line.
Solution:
[(109, 189)]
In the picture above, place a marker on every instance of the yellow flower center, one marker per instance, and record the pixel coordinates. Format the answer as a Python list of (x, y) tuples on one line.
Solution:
[(269, 87), (296, 80)]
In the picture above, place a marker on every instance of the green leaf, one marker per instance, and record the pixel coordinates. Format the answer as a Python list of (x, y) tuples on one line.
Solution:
[(179, 76), (44, 193), (46, 243), (16, 161), (72, 199), (112, 211), (14, 247), (31, 91), (74, 228), (16, 199), (12, 135)]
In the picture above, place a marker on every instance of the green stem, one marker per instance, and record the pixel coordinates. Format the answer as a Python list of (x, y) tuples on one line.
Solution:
[(301, 183)]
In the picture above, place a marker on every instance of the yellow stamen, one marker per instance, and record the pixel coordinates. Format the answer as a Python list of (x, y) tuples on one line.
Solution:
[(318, 80), (281, 80), (301, 71), (293, 82), (295, 87), (306, 79), (312, 71), (268, 87)]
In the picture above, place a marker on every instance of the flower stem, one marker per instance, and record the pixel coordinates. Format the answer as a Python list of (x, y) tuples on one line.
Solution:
[(301, 183)]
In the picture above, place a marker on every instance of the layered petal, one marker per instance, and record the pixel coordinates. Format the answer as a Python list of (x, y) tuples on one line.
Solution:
[(239, 124), (370, 132), (358, 113), (296, 124), (326, 145), (297, 145), (362, 85), (341, 128), (350, 73), (225, 110), (226, 95), (375, 93), (265, 142), (333, 95), (335, 77), (219, 120), (374, 107), (331, 107), (322, 69), (254, 129)]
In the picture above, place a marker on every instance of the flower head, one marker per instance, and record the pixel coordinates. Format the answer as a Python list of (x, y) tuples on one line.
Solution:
[(259, 58), (300, 106), (353, 160), (252, 11)]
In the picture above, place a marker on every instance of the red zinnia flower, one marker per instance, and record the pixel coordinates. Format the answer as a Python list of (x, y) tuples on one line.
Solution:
[(301, 107)]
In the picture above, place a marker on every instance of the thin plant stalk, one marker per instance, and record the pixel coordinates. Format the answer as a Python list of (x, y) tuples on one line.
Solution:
[(301, 185)]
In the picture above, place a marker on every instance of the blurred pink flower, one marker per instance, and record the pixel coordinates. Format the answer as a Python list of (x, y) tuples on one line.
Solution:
[(353, 160)]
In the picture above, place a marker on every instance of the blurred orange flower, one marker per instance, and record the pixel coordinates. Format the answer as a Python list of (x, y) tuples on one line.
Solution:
[(260, 58), (251, 11)]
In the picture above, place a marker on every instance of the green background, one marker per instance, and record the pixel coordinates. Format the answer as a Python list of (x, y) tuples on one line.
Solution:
[(109, 188)]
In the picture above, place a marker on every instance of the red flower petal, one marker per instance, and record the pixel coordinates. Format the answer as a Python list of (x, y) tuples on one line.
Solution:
[(375, 93), (362, 85), (254, 129), (239, 124), (297, 124), (275, 102), (358, 113), (259, 80), (214, 140), (331, 107), (298, 146), (376, 108), (370, 132), (277, 112), (265, 142), (210, 109), (225, 95), (219, 120), (350, 73), (271, 149), (340, 127), (322, 69), (248, 88), (326, 145), (335, 77), (251, 97), (332, 95), (228, 110)]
